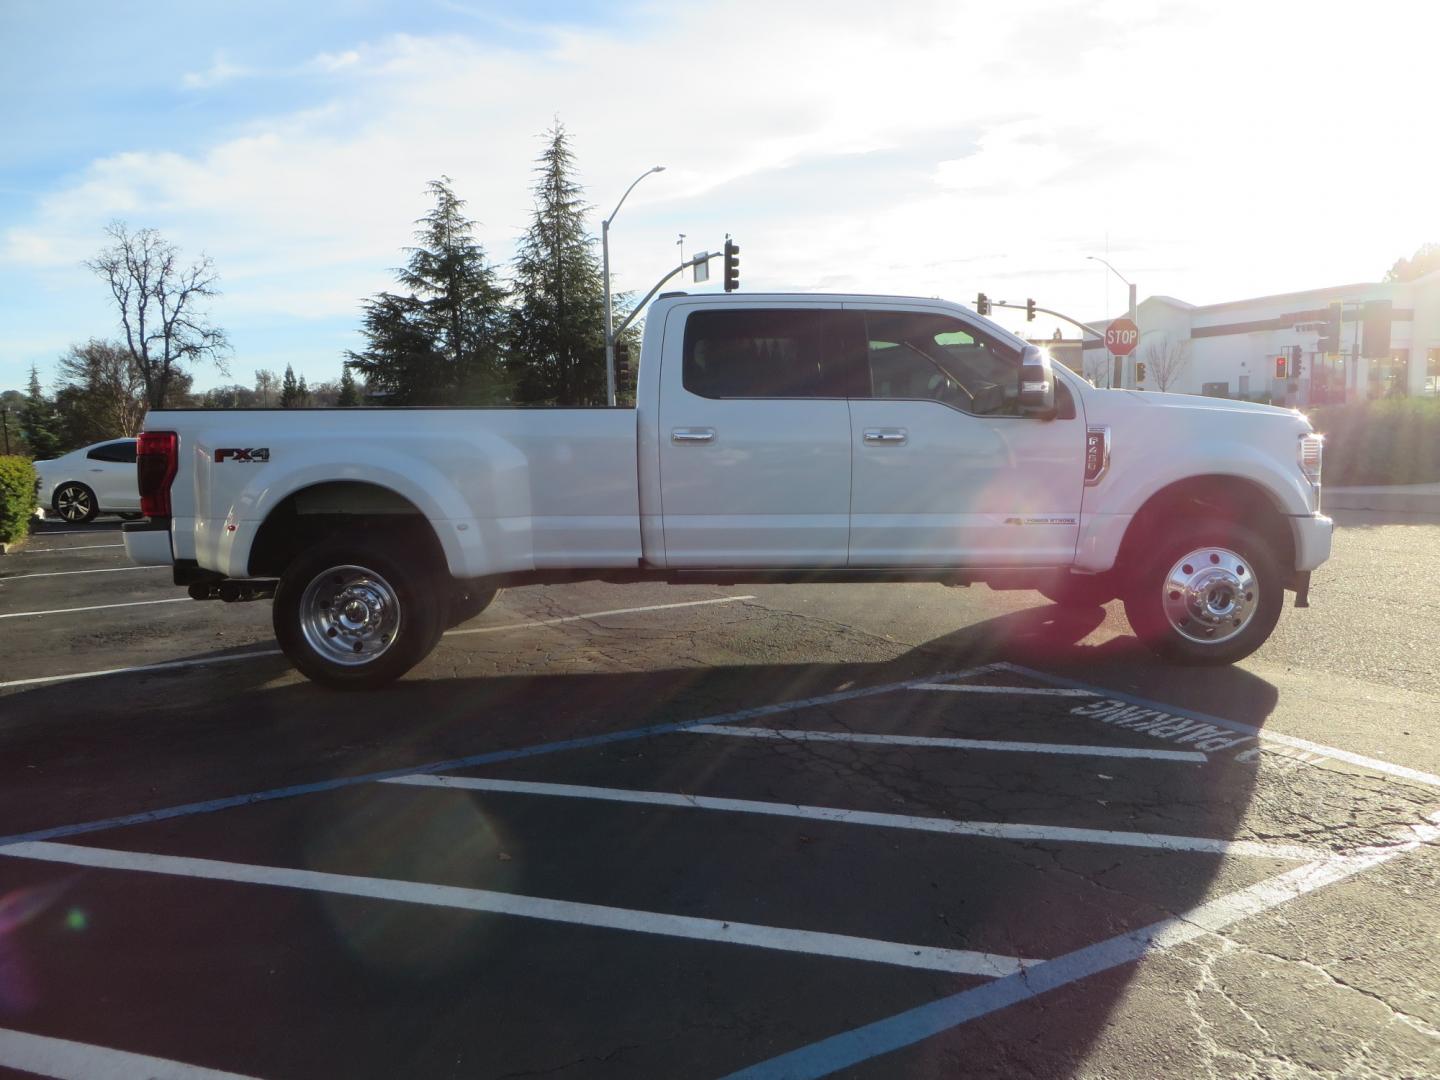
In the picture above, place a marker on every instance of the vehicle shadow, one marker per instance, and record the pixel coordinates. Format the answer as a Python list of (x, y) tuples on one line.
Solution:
[(188, 735)]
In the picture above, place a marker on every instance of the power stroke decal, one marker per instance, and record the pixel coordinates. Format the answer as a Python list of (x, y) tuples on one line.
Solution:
[(257, 455)]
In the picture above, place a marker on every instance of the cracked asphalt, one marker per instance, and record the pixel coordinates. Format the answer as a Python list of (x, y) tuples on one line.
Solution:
[(926, 856)]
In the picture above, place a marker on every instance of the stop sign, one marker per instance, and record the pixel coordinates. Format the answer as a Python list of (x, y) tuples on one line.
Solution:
[(1121, 337)]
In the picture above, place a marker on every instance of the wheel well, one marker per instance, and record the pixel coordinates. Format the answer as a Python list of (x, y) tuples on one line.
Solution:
[(305, 517), (1231, 499)]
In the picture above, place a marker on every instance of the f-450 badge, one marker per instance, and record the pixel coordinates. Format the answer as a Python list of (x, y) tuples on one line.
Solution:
[(259, 455)]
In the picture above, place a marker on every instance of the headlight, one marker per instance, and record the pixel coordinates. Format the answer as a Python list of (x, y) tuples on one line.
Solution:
[(1312, 450)]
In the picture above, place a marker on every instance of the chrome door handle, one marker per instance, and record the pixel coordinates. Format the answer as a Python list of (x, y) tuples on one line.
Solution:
[(692, 435), (886, 436)]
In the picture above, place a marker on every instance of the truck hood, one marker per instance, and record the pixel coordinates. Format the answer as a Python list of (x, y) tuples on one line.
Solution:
[(1194, 401)]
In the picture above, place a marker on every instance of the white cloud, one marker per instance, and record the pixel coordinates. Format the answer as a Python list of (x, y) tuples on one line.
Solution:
[(219, 72)]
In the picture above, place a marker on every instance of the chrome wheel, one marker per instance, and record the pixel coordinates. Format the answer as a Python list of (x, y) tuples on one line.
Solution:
[(1210, 595), (74, 502), (349, 615)]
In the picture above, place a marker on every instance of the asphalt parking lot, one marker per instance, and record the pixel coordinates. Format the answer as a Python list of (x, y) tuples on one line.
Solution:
[(867, 831)]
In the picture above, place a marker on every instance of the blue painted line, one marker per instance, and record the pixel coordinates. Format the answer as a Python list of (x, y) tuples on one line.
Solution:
[(905, 1029), (211, 805)]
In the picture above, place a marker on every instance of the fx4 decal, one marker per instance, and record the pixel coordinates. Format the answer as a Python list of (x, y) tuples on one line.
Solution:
[(259, 454)]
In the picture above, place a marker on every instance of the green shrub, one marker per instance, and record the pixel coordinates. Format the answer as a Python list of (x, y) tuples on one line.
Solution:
[(17, 497), (1392, 441)]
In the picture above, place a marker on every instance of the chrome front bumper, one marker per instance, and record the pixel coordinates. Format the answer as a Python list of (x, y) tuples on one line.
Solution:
[(1312, 540)]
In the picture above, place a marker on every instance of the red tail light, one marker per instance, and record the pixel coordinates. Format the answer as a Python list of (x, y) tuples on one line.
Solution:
[(157, 457)]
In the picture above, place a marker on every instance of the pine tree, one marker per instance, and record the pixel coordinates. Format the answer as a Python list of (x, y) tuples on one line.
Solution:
[(302, 394), (558, 335), (39, 422), (349, 394), (441, 343), (289, 392)]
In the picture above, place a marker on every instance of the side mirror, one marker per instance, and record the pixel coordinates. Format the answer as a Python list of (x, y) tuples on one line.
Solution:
[(1037, 384)]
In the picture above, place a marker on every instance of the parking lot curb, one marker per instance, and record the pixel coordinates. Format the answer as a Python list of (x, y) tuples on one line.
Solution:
[(1402, 498), (10, 547)]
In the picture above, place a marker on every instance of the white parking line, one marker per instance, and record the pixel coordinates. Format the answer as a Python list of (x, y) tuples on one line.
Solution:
[(202, 661), (990, 829), (66, 573), (595, 615), (784, 939), (840, 1052), (44, 1056), (795, 735), (95, 607), (77, 547), (168, 665), (1038, 691)]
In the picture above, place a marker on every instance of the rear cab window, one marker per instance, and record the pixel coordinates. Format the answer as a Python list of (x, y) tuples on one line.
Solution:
[(774, 353)]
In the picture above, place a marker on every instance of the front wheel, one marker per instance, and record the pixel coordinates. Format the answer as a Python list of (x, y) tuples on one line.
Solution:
[(75, 503), (356, 615), (1207, 595)]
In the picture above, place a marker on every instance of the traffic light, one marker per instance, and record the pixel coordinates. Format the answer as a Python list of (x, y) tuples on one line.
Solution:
[(982, 304), (732, 266), (1139, 370), (1282, 366), (1295, 354), (1330, 337), (622, 365), (1029, 310)]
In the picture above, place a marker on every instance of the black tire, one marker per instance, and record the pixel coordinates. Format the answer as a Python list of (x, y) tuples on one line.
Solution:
[(397, 621), (75, 502), (1080, 592), (1192, 624), (467, 600)]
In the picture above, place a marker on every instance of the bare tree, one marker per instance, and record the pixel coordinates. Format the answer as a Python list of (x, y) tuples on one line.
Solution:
[(1096, 363), (159, 302), (103, 391), (1165, 361), (266, 385)]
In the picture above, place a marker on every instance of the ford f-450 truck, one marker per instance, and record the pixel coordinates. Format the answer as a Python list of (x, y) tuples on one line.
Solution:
[(791, 438)]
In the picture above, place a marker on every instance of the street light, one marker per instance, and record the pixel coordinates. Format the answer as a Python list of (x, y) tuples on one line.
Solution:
[(605, 254), (1123, 278), (1128, 282)]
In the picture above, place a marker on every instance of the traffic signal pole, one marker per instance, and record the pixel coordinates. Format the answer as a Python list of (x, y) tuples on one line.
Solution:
[(1048, 311), (704, 256)]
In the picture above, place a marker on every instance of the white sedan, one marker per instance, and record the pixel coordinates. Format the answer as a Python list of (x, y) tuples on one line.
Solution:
[(97, 479)]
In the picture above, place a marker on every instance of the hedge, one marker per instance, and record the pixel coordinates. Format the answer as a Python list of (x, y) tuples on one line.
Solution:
[(1391, 441), (17, 497)]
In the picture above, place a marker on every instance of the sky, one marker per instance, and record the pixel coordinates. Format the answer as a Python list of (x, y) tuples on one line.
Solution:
[(1209, 150)]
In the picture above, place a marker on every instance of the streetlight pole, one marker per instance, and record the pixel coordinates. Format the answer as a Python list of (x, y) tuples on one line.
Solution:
[(605, 255), (1130, 284)]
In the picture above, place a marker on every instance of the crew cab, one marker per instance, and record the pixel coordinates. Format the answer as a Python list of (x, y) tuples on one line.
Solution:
[(775, 437)]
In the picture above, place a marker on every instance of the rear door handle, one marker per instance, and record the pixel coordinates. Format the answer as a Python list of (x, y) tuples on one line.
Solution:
[(889, 436), (692, 435)]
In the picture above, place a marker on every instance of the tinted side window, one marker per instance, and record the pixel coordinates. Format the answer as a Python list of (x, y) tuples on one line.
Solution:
[(918, 355), (123, 451), (773, 354)]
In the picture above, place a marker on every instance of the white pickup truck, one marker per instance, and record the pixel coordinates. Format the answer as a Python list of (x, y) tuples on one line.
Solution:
[(775, 437)]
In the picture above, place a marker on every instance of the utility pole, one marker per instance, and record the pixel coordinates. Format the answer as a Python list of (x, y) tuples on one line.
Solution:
[(1116, 375), (5, 423), (605, 255)]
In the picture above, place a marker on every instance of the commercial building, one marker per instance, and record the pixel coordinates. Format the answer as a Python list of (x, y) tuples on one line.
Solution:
[(1269, 347)]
